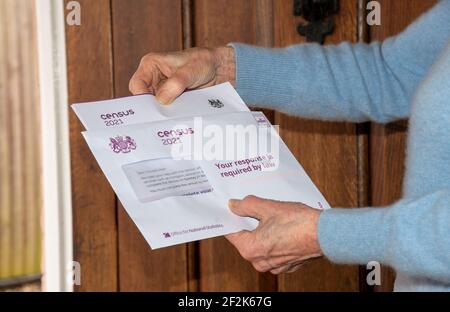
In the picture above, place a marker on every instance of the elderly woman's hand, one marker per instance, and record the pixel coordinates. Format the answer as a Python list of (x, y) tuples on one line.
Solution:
[(167, 75), (285, 238)]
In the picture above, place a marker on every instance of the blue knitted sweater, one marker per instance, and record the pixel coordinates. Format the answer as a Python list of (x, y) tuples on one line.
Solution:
[(407, 76)]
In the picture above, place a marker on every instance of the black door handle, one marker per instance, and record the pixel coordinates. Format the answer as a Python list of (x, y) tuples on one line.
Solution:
[(317, 14)]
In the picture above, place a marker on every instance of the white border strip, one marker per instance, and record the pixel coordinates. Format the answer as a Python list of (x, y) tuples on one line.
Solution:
[(57, 212)]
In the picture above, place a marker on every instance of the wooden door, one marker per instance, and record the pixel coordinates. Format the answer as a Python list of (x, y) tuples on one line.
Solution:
[(90, 76), (218, 23), (328, 152), (349, 163)]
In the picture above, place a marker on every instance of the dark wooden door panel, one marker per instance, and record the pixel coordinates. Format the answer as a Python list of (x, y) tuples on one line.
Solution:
[(328, 152), (140, 27), (90, 74), (218, 23)]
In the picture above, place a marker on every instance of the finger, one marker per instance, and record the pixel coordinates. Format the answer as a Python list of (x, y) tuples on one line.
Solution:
[(251, 206), (294, 268), (138, 86), (140, 83), (175, 85), (262, 265), (244, 243), (146, 76), (290, 267), (237, 238), (279, 270)]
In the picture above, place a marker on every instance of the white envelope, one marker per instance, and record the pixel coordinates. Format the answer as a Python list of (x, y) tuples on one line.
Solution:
[(173, 182), (219, 99)]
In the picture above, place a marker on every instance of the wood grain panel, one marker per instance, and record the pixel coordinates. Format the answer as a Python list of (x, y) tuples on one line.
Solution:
[(388, 142), (140, 27), (328, 152), (31, 188), (5, 189), (90, 77), (15, 97), (222, 21), (20, 197), (218, 23), (193, 247)]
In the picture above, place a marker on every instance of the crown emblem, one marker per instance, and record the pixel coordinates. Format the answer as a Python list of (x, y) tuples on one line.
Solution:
[(122, 144), (216, 103)]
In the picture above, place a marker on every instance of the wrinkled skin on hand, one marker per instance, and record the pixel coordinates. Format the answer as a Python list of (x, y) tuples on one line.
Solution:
[(167, 75), (285, 238)]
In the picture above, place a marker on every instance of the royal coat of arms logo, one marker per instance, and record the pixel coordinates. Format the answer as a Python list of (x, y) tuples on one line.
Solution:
[(122, 144)]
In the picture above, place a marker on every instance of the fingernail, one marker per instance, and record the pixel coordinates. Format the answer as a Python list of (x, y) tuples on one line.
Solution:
[(163, 97), (232, 203)]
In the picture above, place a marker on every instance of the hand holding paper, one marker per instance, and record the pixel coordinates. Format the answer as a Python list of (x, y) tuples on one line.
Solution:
[(285, 238), (175, 167), (167, 75)]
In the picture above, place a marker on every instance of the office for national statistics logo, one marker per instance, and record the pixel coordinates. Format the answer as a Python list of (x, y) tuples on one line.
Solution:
[(122, 144)]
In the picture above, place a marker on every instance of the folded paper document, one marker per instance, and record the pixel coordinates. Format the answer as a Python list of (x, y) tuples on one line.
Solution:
[(175, 167)]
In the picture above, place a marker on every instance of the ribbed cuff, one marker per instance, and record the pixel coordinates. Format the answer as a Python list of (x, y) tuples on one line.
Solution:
[(354, 236), (261, 75)]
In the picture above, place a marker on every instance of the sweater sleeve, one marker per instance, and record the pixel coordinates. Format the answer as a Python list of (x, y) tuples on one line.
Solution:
[(345, 82), (412, 236)]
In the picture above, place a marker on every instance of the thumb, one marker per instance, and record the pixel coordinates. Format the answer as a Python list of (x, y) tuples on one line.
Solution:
[(237, 238), (250, 206), (175, 85)]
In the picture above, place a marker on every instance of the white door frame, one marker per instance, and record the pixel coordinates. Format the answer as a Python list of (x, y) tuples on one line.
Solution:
[(57, 208)]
